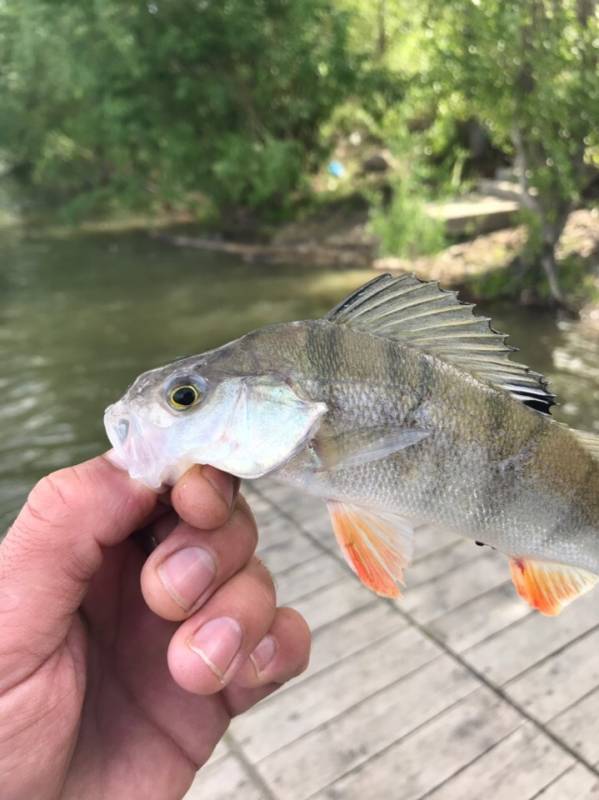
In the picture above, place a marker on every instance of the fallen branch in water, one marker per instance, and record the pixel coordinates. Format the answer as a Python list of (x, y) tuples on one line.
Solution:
[(289, 253)]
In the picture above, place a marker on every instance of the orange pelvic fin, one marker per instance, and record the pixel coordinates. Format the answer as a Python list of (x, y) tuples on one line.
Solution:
[(549, 587), (377, 546)]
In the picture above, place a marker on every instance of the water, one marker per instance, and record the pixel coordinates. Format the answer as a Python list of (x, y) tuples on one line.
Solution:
[(80, 317)]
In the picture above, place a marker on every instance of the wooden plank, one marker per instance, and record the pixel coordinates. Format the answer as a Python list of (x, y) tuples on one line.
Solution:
[(291, 714), (271, 489), (560, 681), (319, 529), (307, 577), (275, 531), (532, 639), (577, 726), (312, 511), (222, 781), (277, 493), (578, 783), (220, 751), (427, 540), (519, 767), (260, 505), (293, 550), (424, 759), (350, 635), (345, 637), (325, 754), (328, 604), (435, 598), (313, 520), (475, 214), (481, 617), (439, 562)]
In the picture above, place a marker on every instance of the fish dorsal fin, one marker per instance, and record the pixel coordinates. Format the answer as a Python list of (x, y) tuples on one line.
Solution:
[(549, 587), (426, 316), (377, 545), (590, 442)]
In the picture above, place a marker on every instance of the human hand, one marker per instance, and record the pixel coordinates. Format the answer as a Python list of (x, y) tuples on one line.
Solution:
[(118, 677)]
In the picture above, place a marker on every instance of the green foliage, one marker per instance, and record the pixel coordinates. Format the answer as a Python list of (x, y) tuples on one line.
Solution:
[(528, 70), (231, 106), (255, 174), (404, 228), (526, 281), (144, 102)]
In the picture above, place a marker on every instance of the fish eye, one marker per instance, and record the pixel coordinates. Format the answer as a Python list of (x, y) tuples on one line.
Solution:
[(184, 396)]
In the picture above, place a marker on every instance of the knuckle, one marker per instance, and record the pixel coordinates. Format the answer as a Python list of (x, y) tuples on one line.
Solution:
[(54, 498)]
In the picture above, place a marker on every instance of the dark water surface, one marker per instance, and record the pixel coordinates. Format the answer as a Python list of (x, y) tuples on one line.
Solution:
[(80, 317)]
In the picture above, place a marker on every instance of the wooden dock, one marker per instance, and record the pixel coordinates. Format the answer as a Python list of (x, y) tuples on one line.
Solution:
[(456, 692), (475, 214)]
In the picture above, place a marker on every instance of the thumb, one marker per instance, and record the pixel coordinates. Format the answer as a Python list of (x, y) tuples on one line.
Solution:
[(52, 551)]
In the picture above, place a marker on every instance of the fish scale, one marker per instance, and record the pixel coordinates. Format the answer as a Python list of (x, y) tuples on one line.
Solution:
[(399, 408)]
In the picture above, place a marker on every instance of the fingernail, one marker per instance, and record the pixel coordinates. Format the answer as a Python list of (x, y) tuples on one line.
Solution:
[(186, 574), (222, 482), (264, 654), (217, 643)]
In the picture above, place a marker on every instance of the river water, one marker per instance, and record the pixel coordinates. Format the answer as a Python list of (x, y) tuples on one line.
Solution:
[(81, 316)]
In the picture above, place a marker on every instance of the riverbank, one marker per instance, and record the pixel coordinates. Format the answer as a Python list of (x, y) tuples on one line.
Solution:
[(336, 234), (486, 267), (481, 266)]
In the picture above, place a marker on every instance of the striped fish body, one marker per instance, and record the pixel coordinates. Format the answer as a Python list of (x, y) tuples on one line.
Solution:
[(492, 468), (400, 408)]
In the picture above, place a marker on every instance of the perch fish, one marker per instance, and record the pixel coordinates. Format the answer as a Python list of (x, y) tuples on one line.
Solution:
[(400, 408)]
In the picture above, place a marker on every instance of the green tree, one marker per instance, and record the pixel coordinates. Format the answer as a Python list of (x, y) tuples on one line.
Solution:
[(133, 102), (528, 70)]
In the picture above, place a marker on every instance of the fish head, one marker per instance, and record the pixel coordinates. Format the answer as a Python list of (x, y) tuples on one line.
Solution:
[(196, 411)]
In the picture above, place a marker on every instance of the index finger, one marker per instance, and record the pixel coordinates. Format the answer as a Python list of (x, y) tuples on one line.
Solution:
[(54, 548)]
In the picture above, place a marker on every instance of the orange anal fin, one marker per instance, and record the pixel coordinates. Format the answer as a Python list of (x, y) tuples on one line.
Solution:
[(377, 546), (549, 587)]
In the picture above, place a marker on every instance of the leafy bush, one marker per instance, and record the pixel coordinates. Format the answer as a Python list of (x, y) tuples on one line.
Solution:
[(140, 103), (404, 228)]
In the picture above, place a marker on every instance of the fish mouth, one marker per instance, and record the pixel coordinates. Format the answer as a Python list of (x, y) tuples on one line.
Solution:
[(136, 448)]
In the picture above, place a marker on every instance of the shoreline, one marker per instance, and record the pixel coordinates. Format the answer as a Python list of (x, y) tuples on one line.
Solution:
[(483, 267)]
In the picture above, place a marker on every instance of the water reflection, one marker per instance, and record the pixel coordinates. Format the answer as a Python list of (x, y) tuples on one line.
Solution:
[(80, 317), (566, 352)]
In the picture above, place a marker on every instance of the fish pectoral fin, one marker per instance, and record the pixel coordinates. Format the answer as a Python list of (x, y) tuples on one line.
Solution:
[(376, 545), (345, 450), (547, 586)]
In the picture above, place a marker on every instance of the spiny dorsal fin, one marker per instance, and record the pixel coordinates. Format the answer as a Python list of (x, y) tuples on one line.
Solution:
[(590, 442), (426, 316)]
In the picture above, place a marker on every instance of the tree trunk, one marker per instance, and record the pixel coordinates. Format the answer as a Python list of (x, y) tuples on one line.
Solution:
[(550, 268), (551, 236), (550, 230)]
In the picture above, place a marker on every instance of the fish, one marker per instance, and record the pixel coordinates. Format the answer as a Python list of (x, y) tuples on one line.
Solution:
[(400, 408)]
